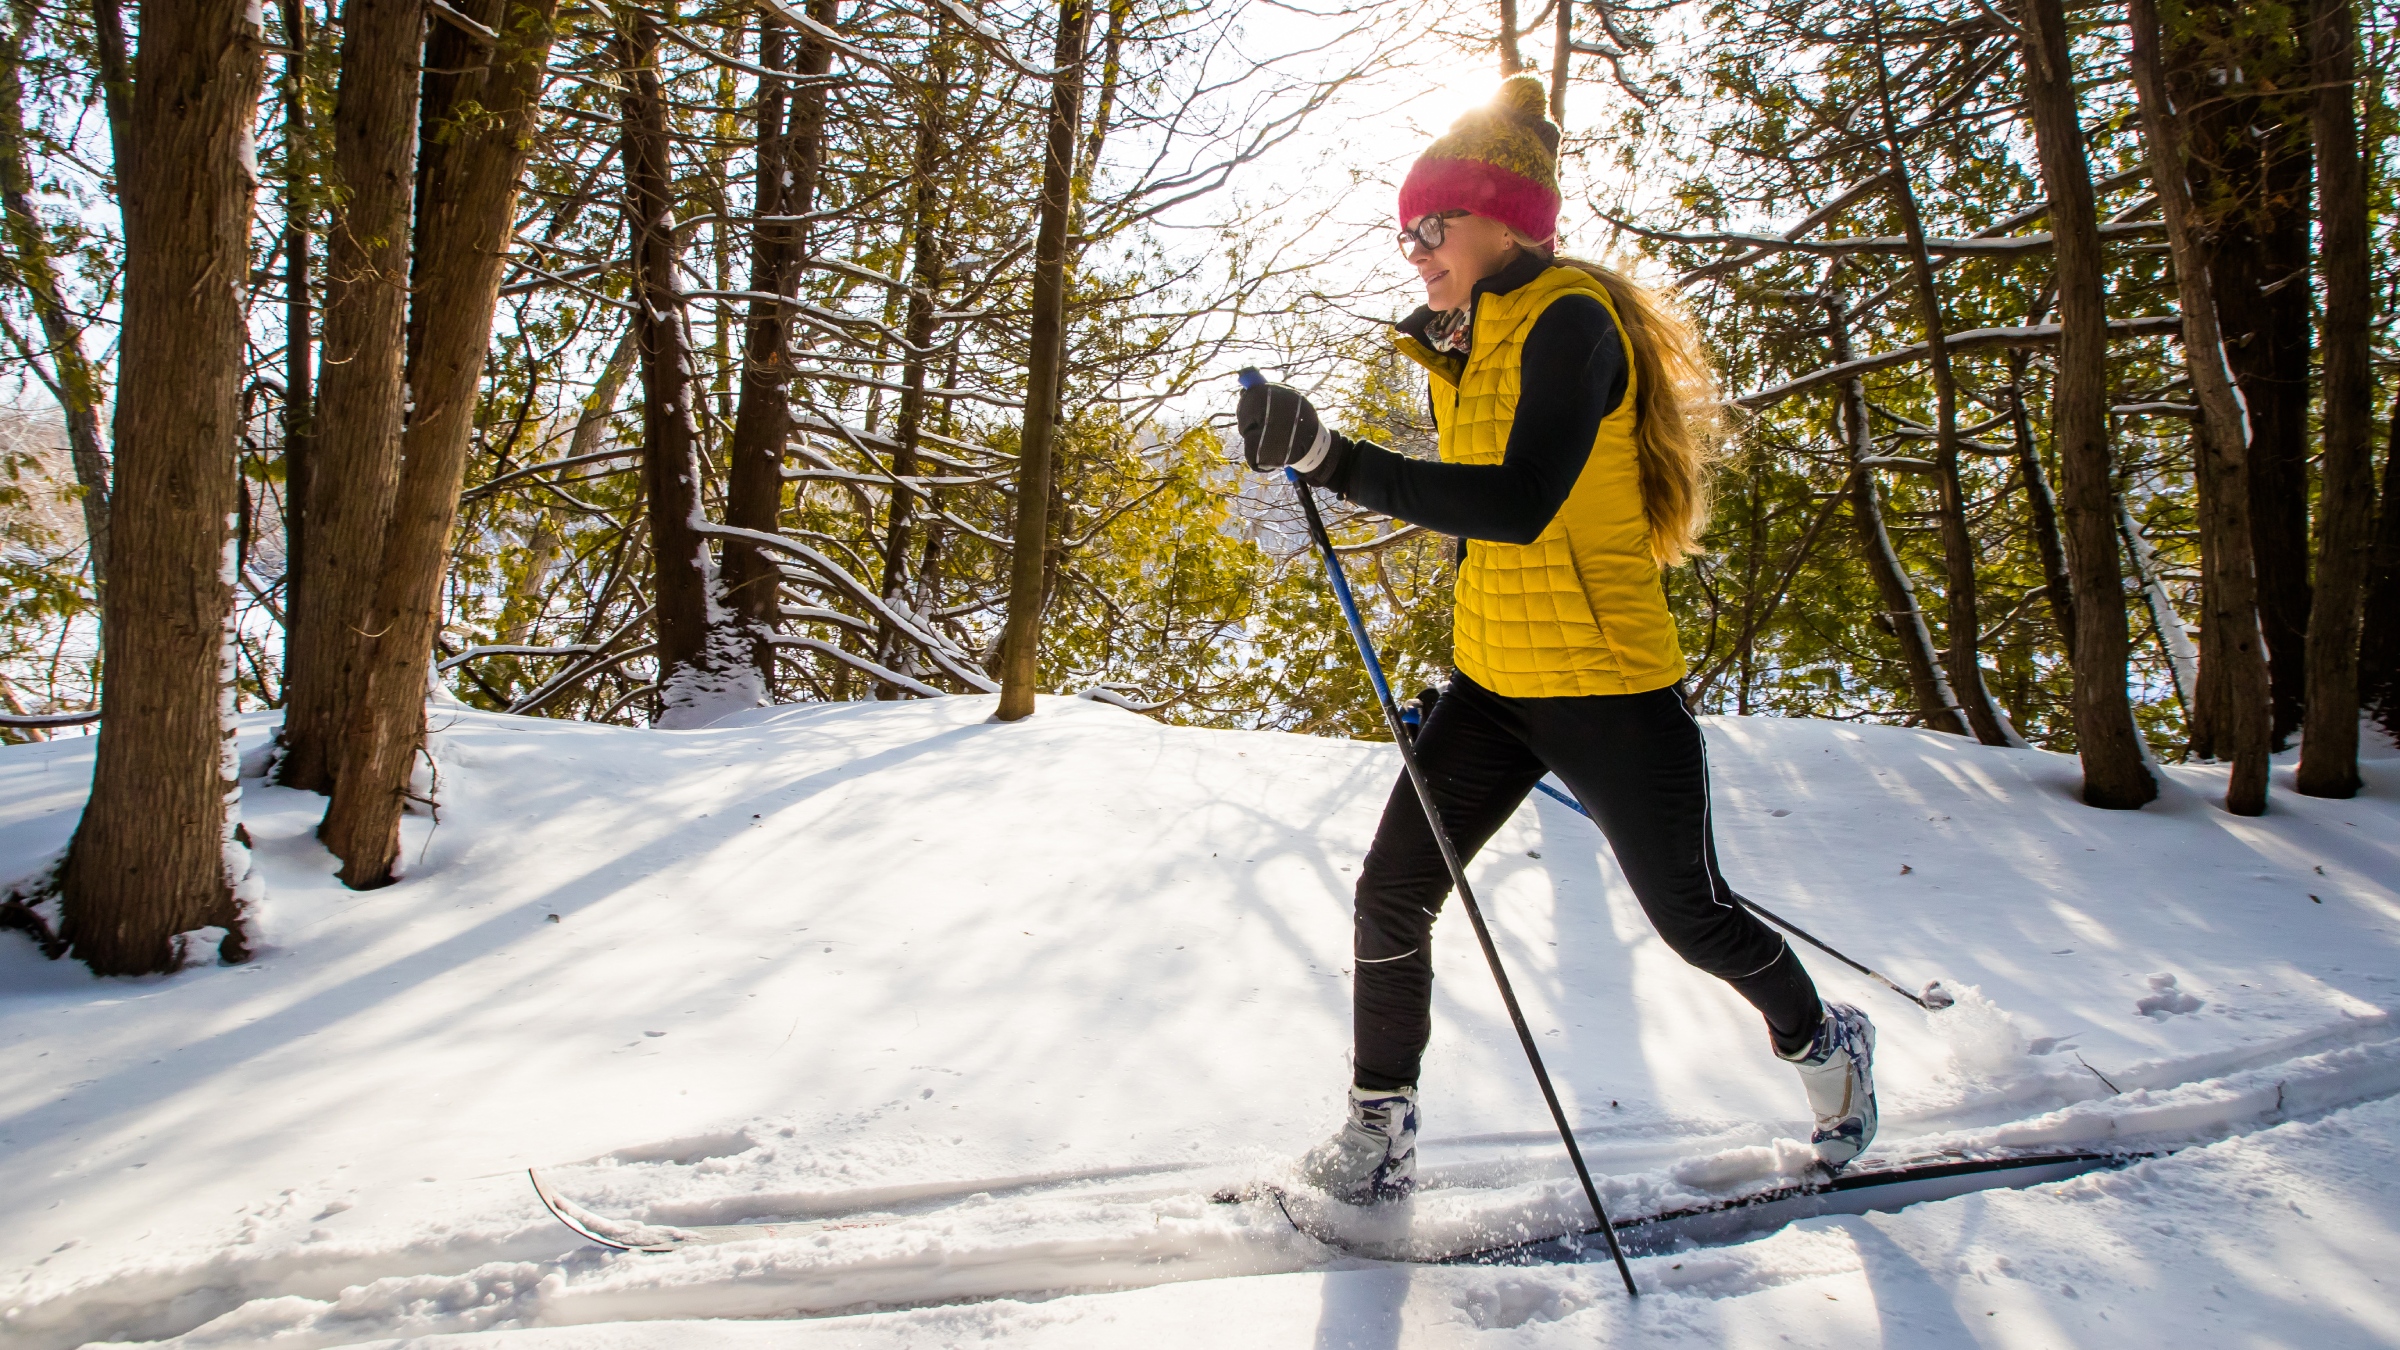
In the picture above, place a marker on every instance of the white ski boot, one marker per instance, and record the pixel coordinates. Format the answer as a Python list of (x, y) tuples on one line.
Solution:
[(1838, 1068), (1374, 1155)]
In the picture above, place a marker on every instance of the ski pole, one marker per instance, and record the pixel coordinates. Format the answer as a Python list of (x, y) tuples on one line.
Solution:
[(1458, 873), (1934, 999)]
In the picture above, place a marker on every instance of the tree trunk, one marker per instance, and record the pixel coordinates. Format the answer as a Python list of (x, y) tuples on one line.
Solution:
[(2116, 775), (1511, 59), (1937, 706), (1958, 546), (2247, 142), (790, 145), (704, 665), (299, 360), (2346, 492), (2229, 633), (1562, 59), (467, 194), (1021, 640), (2174, 640), (155, 854), (355, 452), (2041, 508), (2267, 341), (116, 77), (925, 278), (71, 377), (2379, 621), (929, 570)]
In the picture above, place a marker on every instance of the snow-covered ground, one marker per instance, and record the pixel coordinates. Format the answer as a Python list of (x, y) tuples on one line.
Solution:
[(1008, 1001)]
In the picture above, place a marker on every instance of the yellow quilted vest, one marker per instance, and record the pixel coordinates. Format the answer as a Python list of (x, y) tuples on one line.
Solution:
[(1579, 610)]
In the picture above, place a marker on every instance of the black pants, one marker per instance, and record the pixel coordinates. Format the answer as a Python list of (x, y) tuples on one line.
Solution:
[(1638, 764)]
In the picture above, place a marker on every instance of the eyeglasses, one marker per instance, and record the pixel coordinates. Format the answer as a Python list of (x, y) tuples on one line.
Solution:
[(1428, 232)]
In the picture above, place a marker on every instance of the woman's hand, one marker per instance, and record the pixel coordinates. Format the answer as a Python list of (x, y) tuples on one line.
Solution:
[(1280, 427)]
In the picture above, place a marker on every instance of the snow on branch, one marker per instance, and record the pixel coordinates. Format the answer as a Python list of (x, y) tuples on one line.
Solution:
[(992, 41), (826, 35), (1847, 245), (1101, 693), (956, 662), (495, 484), (858, 439), (2030, 335), (818, 614), (857, 662), (916, 483), (481, 32), (36, 721), (518, 649), (1841, 202), (1768, 245), (787, 78), (580, 671), (985, 535), (1382, 541)]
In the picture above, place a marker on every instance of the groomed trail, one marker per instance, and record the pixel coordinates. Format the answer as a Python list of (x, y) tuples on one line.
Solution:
[(998, 1006)]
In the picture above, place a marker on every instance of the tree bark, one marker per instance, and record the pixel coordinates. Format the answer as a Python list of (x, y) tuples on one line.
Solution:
[(2379, 620), (299, 352), (1937, 706), (1511, 59), (1021, 639), (355, 452), (2249, 167), (116, 77), (2229, 633), (71, 376), (1961, 620), (2041, 508), (2346, 490), (155, 854), (1562, 59), (467, 193), (2174, 642), (2116, 775), (2267, 340), (790, 145), (704, 667), (925, 278)]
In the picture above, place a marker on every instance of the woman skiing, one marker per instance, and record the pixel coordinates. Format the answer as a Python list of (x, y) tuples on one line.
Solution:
[(1571, 475)]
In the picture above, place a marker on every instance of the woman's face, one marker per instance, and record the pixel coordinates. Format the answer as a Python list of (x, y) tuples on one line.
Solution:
[(1475, 247)]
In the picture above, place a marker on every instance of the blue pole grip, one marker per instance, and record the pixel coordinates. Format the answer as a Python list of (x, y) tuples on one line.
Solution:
[(1250, 377)]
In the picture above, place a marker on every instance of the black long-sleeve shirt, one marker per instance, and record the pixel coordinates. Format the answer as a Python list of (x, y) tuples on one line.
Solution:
[(1573, 376)]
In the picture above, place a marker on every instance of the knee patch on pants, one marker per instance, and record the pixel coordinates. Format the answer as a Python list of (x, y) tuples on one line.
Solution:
[(1386, 936)]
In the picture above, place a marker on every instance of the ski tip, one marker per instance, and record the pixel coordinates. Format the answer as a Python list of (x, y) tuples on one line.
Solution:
[(541, 1190), (591, 1228), (1935, 998), (1250, 377)]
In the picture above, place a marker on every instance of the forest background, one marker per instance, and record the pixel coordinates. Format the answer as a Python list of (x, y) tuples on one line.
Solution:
[(639, 362)]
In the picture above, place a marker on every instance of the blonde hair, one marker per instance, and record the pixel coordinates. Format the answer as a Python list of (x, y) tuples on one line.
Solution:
[(1677, 419)]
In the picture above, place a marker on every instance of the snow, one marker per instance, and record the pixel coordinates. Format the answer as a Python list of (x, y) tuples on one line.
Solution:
[(1007, 1000)]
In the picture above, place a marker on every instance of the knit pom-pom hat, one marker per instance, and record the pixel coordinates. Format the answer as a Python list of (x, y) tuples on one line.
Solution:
[(1501, 161)]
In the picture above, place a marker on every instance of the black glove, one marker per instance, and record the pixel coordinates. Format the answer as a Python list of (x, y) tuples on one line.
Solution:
[(1280, 427)]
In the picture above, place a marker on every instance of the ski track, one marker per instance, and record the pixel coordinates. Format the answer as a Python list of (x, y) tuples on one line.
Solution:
[(984, 1248), (2248, 1034), (2150, 1264)]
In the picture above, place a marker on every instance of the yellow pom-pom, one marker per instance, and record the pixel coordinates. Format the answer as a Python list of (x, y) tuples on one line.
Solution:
[(1522, 96)]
